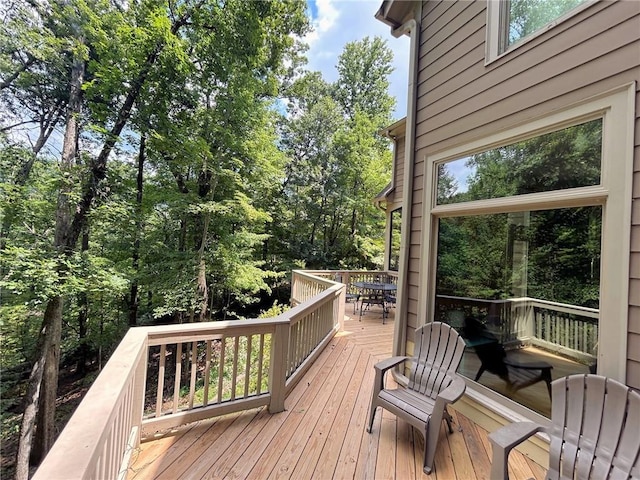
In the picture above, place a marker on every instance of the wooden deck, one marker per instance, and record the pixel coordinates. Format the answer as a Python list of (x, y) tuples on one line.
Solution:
[(321, 434)]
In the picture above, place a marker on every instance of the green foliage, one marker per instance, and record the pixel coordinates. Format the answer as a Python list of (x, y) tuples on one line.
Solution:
[(549, 254), (190, 196), (337, 163)]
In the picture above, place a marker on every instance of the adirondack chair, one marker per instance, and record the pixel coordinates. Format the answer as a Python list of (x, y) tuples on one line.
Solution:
[(595, 431), (432, 384)]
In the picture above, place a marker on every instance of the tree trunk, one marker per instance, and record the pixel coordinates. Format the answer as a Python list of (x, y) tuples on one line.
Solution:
[(45, 378), (203, 290), (68, 231), (134, 300), (31, 400), (45, 430), (83, 317)]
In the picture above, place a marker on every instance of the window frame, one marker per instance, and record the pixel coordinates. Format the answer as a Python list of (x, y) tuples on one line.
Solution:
[(614, 194), (390, 238), (497, 21)]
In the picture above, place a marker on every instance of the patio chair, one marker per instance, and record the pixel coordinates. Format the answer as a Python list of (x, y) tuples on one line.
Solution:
[(371, 297), (494, 359), (432, 384), (349, 296), (594, 431)]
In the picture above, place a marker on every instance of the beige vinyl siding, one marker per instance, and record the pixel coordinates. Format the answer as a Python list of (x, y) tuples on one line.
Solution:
[(460, 99)]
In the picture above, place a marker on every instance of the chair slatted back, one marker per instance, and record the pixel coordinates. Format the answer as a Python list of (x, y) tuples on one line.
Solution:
[(596, 429), (438, 352)]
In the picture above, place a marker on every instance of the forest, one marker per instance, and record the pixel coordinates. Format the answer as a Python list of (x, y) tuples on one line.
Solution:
[(167, 162)]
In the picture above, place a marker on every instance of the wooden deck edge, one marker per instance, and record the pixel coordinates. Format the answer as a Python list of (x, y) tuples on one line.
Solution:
[(154, 425)]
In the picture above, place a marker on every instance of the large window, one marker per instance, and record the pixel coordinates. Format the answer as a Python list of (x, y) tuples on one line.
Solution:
[(522, 287), (512, 22), (526, 228)]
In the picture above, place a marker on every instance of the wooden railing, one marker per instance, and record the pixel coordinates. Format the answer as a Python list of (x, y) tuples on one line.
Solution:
[(166, 376), (569, 330)]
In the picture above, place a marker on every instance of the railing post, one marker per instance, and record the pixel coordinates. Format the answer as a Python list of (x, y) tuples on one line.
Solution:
[(140, 385), (278, 367), (342, 300), (294, 289)]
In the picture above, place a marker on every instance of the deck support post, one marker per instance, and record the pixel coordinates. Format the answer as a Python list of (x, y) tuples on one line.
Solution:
[(278, 367)]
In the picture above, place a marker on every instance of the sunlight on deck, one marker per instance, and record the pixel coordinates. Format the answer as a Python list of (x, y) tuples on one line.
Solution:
[(321, 434)]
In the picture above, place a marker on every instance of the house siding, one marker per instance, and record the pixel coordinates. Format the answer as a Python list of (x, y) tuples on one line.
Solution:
[(460, 99)]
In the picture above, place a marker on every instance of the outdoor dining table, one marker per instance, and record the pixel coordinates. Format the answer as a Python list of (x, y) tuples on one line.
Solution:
[(375, 293)]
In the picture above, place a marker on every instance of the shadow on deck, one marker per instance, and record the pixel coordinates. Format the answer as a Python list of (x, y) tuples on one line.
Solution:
[(321, 434)]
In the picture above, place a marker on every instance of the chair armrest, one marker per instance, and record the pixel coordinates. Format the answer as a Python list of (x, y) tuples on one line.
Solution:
[(449, 395), (388, 363), (454, 391), (503, 440), (381, 368)]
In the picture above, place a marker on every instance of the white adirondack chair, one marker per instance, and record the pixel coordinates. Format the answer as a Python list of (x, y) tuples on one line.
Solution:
[(432, 384), (595, 431)]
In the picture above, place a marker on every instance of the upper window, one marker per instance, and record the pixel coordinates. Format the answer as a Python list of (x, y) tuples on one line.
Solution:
[(559, 160), (512, 22)]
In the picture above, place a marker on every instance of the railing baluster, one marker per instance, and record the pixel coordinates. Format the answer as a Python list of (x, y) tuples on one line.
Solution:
[(223, 343), (176, 383), (194, 365), (207, 370), (247, 370), (160, 392), (260, 364), (234, 375)]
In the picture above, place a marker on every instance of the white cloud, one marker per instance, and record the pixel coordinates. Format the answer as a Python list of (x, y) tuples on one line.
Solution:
[(337, 22), (326, 17)]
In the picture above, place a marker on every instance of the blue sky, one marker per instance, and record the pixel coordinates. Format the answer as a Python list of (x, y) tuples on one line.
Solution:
[(337, 22)]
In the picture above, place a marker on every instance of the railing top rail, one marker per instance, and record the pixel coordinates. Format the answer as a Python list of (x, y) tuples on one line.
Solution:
[(313, 275), (75, 450), (311, 304), (586, 311), (188, 332)]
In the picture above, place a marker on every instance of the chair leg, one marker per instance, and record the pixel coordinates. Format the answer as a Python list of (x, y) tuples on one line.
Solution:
[(372, 415), (430, 443)]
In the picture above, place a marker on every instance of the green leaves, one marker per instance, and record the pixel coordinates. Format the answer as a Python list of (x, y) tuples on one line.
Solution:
[(337, 162)]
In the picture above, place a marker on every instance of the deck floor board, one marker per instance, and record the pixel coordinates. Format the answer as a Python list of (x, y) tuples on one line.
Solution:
[(321, 434)]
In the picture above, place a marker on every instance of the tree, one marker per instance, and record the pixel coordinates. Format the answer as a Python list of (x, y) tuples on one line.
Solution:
[(363, 84), (337, 161), (122, 61)]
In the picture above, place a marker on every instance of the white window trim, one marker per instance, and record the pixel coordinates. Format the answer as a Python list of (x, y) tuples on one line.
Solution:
[(614, 192), (495, 23)]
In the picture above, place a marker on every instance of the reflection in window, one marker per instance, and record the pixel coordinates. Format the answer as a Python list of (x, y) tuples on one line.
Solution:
[(559, 160), (523, 289), (528, 16), (394, 250)]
